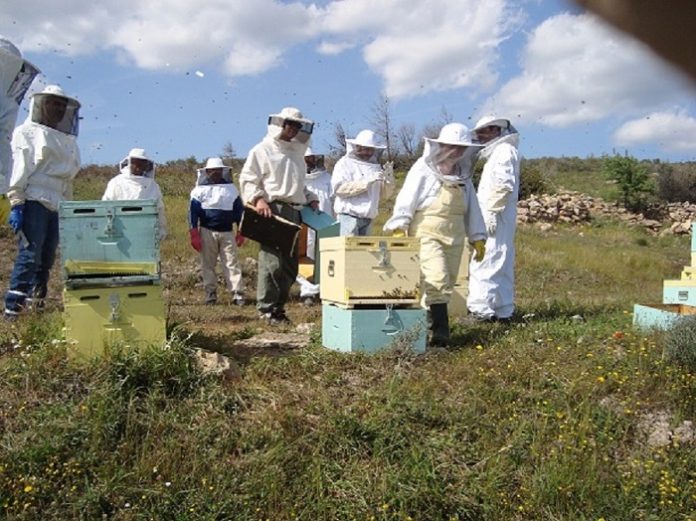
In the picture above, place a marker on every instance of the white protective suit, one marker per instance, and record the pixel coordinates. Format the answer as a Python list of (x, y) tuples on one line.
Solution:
[(275, 169), (128, 187), (318, 181), (442, 210), (358, 184), (16, 75), (45, 159), (492, 281)]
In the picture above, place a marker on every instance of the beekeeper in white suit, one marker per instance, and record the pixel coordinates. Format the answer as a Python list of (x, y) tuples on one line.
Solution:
[(16, 75), (358, 182), (45, 159), (136, 180), (318, 181), (492, 281), (438, 204), (272, 180)]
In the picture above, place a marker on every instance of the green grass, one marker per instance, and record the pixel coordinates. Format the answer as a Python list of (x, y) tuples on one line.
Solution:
[(537, 420)]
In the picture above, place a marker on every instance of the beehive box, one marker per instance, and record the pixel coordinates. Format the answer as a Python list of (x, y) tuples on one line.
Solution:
[(679, 292), (96, 318), (109, 237), (370, 270), (371, 330)]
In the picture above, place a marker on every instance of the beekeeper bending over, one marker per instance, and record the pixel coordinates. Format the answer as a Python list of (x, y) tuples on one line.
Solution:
[(492, 281), (358, 182), (16, 74), (437, 203), (45, 159), (137, 181)]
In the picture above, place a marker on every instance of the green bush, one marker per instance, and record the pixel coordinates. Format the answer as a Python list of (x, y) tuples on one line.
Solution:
[(680, 343), (632, 179), (677, 182)]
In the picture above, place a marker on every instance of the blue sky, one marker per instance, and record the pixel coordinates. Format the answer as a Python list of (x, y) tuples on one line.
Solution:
[(183, 78)]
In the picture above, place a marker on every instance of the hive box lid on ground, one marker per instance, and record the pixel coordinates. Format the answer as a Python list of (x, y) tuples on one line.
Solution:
[(371, 330), (370, 270), (109, 238), (96, 318)]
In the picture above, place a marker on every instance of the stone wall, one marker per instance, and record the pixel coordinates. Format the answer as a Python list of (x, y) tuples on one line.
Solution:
[(577, 208)]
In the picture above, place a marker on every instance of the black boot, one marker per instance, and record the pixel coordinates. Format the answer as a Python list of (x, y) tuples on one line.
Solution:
[(440, 325)]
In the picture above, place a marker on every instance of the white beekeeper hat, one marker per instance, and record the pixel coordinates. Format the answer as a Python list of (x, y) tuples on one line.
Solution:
[(456, 134), (366, 138)]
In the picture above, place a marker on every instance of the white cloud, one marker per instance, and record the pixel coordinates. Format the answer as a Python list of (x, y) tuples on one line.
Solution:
[(576, 70), (419, 47), (415, 46), (672, 131), (167, 33)]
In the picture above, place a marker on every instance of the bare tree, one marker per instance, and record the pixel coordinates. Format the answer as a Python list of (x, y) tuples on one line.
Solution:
[(381, 122), (338, 147), (408, 142), (228, 151)]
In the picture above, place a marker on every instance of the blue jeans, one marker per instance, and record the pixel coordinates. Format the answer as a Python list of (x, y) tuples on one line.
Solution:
[(35, 257), (354, 226)]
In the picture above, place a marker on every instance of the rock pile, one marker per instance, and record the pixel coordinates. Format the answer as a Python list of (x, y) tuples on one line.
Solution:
[(578, 208)]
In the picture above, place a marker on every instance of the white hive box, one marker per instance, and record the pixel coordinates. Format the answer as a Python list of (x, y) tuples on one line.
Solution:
[(370, 270)]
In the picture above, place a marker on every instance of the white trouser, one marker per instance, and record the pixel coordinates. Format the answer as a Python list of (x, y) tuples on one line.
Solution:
[(220, 245)]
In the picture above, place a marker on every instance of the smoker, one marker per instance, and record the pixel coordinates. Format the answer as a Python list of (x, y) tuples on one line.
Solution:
[(110, 266)]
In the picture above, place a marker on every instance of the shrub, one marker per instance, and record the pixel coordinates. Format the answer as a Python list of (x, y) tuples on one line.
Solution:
[(632, 180), (532, 180), (677, 183), (680, 343)]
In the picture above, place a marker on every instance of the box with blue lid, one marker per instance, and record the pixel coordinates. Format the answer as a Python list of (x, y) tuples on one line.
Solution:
[(117, 238), (371, 330)]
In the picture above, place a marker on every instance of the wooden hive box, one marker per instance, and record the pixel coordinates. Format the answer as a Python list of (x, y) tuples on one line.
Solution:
[(371, 330), (97, 317), (370, 270)]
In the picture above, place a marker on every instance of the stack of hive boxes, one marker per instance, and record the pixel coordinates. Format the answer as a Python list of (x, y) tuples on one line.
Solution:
[(111, 271), (370, 292), (678, 297)]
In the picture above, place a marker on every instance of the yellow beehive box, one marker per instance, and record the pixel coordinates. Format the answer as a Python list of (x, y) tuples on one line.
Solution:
[(96, 318), (370, 270)]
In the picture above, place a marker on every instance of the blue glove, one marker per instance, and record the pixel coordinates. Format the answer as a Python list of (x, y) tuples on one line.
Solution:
[(16, 218)]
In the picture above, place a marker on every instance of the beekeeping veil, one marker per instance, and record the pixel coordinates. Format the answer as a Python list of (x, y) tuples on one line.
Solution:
[(451, 155), (16, 74), (293, 116), (508, 134), (137, 153), (53, 108), (365, 138), (317, 164), (213, 163)]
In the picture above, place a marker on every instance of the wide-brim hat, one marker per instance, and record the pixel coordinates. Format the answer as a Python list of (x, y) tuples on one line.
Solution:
[(214, 162), (491, 121), (292, 114), (455, 134), (366, 138)]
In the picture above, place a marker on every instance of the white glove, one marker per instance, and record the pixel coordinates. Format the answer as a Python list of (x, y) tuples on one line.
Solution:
[(491, 221), (389, 171)]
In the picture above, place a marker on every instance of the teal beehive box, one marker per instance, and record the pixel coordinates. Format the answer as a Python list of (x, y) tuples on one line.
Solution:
[(109, 237), (371, 330)]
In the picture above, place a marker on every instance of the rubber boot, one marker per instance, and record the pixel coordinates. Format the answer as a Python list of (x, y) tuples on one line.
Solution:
[(440, 333)]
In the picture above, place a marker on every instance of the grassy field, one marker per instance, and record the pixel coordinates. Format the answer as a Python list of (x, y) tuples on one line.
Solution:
[(547, 418)]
